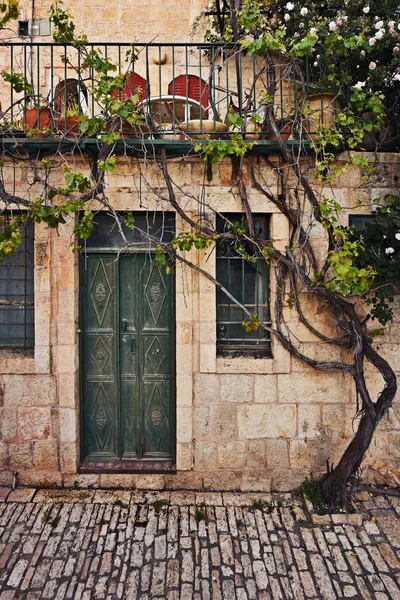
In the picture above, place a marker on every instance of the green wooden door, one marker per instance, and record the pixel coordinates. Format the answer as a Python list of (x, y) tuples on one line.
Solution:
[(128, 411)]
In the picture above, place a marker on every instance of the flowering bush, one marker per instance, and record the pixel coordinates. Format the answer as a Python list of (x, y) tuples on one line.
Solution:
[(381, 251)]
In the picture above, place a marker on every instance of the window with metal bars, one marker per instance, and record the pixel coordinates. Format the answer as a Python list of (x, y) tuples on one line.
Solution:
[(248, 281), (17, 292)]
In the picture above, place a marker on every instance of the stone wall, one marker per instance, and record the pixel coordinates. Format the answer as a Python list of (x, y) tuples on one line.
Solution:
[(242, 423)]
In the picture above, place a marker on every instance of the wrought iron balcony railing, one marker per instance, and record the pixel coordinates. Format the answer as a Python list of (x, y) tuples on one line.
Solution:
[(176, 92)]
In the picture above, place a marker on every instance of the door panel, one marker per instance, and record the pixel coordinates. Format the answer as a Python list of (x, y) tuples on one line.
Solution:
[(128, 359), (100, 411)]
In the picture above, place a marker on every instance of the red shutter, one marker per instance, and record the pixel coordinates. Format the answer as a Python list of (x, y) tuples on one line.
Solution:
[(189, 86), (133, 82)]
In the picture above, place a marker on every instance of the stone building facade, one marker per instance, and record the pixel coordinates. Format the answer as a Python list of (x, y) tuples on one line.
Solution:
[(244, 423)]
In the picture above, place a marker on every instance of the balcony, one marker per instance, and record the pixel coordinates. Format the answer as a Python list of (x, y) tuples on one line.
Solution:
[(178, 95)]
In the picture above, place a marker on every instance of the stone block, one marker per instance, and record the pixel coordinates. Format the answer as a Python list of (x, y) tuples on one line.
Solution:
[(184, 481), (81, 480), (21, 456), (116, 480), (205, 455), (206, 389), (45, 455), (265, 389), (16, 390), (8, 424), (43, 390), (4, 458), (4, 492), (184, 425), (232, 455), (184, 457), (221, 481), (256, 481), (46, 479), (300, 454), (277, 455), (309, 421), (112, 497), (68, 425), (6, 477), (69, 457), (22, 495), (34, 423), (224, 421), (201, 421), (270, 420), (150, 482), (237, 388), (184, 389), (256, 456), (67, 359), (333, 419), (320, 387), (207, 358), (67, 390)]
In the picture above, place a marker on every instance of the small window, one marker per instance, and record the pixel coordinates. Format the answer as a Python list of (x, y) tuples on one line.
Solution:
[(247, 282), (17, 292), (359, 222)]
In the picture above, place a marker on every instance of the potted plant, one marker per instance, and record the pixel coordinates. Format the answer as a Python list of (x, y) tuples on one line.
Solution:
[(37, 118), (69, 122)]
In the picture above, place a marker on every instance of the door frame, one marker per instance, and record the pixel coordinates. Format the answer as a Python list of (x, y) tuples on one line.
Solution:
[(121, 465)]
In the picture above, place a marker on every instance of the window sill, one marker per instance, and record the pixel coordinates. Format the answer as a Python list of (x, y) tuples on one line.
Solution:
[(17, 361), (244, 364)]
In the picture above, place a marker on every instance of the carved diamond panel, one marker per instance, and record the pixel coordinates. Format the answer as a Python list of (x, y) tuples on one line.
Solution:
[(100, 292), (156, 417), (155, 293), (100, 355), (101, 418), (155, 357)]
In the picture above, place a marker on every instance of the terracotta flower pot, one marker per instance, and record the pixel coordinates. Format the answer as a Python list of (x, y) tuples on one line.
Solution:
[(35, 118), (69, 126)]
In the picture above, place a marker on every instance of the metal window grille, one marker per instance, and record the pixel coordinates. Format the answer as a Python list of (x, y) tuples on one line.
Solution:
[(249, 283), (17, 293)]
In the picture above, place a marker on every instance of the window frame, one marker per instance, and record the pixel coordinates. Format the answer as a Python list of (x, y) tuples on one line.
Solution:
[(27, 304), (255, 344)]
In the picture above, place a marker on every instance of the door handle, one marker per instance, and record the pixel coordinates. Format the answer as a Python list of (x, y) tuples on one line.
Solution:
[(124, 324), (133, 345)]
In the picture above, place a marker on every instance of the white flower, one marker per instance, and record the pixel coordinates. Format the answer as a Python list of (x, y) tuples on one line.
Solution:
[(372, 41), (290, 6), (379, 34), (304, 11), (345, 18), (391, 24), (332, 26), (389, 250), (372, 65), (287, 17), (313, 30), (378, 25), (396, 77), (398, 26), (366, 9), (359, 85), (315, 64), (397, 236)]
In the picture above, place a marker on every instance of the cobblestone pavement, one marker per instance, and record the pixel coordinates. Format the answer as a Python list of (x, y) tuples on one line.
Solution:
[(183, 545)]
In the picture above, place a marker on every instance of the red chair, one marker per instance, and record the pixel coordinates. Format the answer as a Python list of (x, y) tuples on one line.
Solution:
[(134, 83), (190, 86)]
